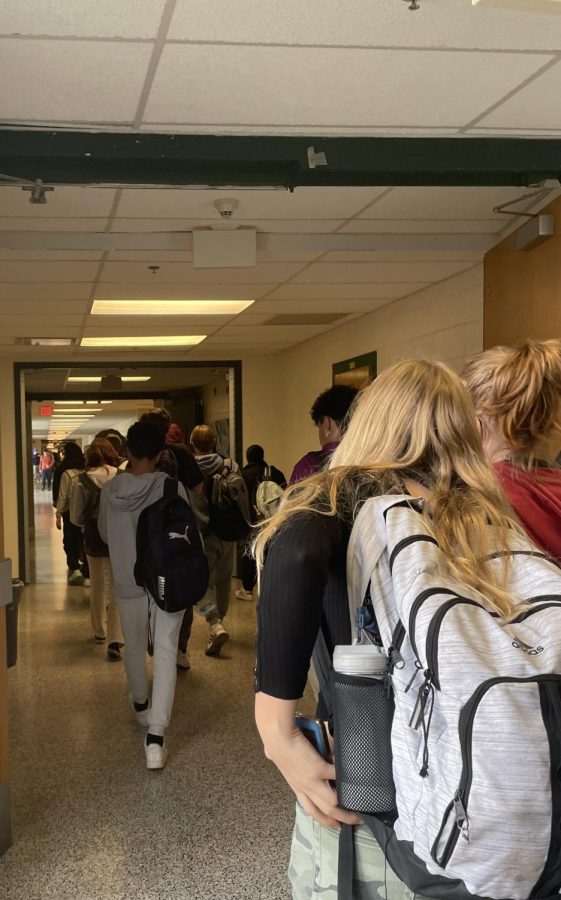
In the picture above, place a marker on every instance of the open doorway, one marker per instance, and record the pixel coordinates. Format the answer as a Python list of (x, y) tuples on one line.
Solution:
[(60, 403)]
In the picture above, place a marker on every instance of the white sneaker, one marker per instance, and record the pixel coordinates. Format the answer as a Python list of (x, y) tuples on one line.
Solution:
[(242, 594), (142, 715), (183, 660), (156, 756), (217, 639)]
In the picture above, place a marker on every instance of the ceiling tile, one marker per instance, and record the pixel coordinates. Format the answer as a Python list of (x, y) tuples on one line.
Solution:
[(343, 291), (126, 291), (321, 22), (374, 256), (273, 226), (444, 203), (47, 271), (20, 223), (45, 291), (218, 84), (533, 106), (41, 326), (150, 256), (369, 273), (80, 202), (303, 203), (85, 81), (50, 255), (347, 305), (82, 18), (424, 226), (184, 273), (37, 307)]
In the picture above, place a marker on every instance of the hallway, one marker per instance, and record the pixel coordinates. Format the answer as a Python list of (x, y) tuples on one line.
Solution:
[(90, 822)]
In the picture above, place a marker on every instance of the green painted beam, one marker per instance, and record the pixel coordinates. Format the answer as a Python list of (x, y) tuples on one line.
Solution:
[(66, 157)]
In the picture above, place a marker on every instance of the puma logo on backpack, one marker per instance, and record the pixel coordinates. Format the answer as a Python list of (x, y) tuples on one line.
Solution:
[(476, 733)]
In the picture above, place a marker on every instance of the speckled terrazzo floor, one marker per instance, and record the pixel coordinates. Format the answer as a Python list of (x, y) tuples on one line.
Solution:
[(90, 822)]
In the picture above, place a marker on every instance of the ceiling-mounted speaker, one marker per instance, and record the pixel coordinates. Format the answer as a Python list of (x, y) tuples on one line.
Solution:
[(224, 249), (111, 383), (536, 6)]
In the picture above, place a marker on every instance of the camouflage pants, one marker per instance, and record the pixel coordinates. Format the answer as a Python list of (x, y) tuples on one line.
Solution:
[(314, 858)]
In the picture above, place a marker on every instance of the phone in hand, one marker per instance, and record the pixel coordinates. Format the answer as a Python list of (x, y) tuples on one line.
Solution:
[(315, 732)]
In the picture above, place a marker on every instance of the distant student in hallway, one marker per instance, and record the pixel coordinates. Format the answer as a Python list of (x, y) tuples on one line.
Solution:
[(256, 472), (101, 467), (222, 477), (328, 413), (46, 466), (122, 501), (71, 466)]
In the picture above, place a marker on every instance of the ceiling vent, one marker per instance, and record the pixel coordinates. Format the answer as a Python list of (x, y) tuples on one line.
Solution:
[(306, 318), (45, 342)]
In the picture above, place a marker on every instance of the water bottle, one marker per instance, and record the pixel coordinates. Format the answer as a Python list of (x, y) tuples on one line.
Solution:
[(362, 660), (362, 716)]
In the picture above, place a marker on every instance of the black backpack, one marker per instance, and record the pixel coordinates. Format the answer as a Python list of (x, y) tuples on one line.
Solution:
[(93, 543), (228, 501), (170, 559)]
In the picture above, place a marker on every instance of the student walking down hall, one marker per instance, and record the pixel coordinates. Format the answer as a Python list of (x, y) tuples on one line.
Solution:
[(122, 502)]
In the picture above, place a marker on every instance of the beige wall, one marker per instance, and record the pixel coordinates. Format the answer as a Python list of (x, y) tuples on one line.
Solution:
[(9, 463), (444, 321), (523, 289)]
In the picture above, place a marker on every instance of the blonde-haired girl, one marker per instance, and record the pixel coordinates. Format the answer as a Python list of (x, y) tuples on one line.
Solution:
[(517, 397), (412, 431)]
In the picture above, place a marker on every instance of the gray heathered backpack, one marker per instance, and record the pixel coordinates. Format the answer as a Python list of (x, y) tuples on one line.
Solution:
[(476, 733)]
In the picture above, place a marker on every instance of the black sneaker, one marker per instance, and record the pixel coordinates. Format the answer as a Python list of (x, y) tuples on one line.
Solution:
[(114, 651)]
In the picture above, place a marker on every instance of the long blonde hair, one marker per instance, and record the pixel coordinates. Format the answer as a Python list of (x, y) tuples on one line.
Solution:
[(417, 421), (518, 392)]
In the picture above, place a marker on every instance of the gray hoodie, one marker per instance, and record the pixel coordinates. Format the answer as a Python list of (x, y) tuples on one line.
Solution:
[(121, 502)]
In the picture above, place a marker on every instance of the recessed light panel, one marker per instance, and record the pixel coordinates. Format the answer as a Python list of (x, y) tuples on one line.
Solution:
[(91, 379), (169, 307), (168, 340)]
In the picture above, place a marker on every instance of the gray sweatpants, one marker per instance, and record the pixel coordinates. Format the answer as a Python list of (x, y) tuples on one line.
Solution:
[(164, 628), (314, 858)]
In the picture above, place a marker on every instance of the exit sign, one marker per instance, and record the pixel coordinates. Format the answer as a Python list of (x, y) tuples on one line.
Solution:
[(45, 410)]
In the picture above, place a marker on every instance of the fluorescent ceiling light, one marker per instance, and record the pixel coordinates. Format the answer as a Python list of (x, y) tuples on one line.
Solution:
[(168, 340), (169, 307), (83, 379), (89, 412), (51, 342)]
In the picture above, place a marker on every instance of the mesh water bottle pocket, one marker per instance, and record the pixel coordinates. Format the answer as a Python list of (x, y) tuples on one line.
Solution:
[(362, 718)]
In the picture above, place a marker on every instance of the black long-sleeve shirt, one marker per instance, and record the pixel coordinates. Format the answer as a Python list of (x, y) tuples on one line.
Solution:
[(304, 588)]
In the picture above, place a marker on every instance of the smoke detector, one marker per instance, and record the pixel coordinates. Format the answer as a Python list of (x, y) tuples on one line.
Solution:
[(226, 206)]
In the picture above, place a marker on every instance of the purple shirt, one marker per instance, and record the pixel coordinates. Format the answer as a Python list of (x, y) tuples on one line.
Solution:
[(312, 462)]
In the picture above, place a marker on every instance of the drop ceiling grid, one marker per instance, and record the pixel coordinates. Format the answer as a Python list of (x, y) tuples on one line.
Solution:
[(497, 54)]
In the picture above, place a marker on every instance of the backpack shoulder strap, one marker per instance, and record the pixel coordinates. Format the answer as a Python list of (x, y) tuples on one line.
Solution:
[(171, 487), (267, 474)]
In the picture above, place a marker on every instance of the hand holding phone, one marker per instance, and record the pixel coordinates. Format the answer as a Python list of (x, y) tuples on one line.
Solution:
[(315, 732)]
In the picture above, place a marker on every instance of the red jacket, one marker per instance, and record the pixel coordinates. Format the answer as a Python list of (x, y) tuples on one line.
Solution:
[(536, 498)]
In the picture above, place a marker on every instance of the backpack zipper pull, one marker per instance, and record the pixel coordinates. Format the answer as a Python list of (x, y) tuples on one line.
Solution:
[(388, 676), (462, 820), (422, 697), (418, 668)]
